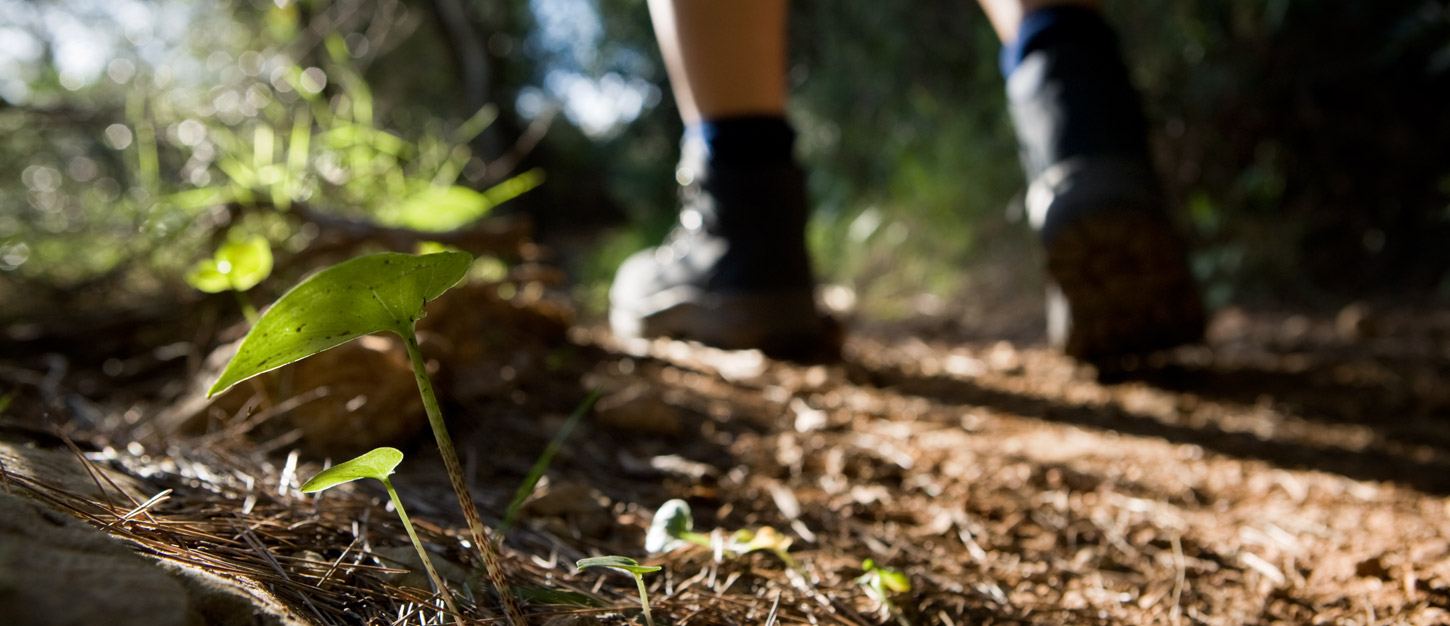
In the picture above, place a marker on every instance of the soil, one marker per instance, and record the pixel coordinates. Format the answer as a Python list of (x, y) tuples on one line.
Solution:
[(1296, 470)]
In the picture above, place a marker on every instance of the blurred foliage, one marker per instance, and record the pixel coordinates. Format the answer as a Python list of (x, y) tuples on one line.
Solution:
[(1304, 140), (251, 118), (904, 129), (1304, 144), (238, 265)]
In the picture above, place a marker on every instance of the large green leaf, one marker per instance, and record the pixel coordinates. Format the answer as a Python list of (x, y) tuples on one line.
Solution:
[(357, 297), (378, 463)]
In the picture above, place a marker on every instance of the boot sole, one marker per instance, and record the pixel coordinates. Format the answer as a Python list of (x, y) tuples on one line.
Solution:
[(1122, 288), (783, 326)]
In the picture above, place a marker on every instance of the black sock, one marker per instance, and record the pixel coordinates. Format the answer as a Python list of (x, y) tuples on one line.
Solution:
[(746, 141), (1069, 90)]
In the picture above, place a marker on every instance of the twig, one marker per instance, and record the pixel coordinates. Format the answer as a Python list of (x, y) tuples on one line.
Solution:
[(775, 606), (91, 471), (1175, 614), (266, 554), (142, 508)]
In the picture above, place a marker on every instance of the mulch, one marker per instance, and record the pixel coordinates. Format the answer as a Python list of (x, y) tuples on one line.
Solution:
[(1295, 473)]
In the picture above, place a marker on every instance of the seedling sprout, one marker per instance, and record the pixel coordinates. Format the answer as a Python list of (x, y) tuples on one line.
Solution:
[(674, 527), (368, 294), (541, 465), (880, 583), (379, 464), (629, 566), (237, 266)]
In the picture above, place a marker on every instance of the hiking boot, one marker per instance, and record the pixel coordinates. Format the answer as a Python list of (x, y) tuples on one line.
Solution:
[(1120, 282), (734, 273)]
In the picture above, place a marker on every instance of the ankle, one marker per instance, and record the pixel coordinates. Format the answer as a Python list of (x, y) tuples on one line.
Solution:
[(744, 141), (739, 180), (1049, 26), (1070, 93)]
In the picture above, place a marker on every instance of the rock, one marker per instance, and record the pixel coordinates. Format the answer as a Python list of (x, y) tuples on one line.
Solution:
[(57, 570), (61, 468), (228, 602)]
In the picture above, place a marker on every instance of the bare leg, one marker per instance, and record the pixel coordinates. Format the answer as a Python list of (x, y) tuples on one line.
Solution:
[(724, 57), (735, 273)]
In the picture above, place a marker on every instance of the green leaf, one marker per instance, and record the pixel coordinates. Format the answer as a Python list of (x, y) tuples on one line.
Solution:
[(195, 199), (246, 262), (619, 563), (438, 209), (204, 276), (766, 538), (377, 464), (671, 522), (514, 187), (545, 595), (894, 580), (237, 265), (882, 581), (357, 297)]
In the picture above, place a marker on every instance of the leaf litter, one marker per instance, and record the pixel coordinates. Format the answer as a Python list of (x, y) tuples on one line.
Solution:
[(1293, 474)]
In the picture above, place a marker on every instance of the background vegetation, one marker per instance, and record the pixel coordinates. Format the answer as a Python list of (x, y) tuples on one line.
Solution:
[(1306, 144)]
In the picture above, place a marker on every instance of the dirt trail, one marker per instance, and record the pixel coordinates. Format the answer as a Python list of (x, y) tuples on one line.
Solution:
[(1298, 472), (1295, 473)]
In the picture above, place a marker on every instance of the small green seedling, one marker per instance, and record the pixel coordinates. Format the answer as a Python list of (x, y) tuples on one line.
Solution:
[(628, 566), (745, 541), (379, 464), (880, 583), (674, 527), (237, 266), (369, 294)]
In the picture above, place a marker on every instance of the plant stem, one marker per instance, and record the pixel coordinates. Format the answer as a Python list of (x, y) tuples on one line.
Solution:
[(422, 554), (644, 599), (248, 311), (486, 551)]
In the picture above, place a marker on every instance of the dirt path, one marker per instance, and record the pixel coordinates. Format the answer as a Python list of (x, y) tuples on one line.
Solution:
[(1296, 473)]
